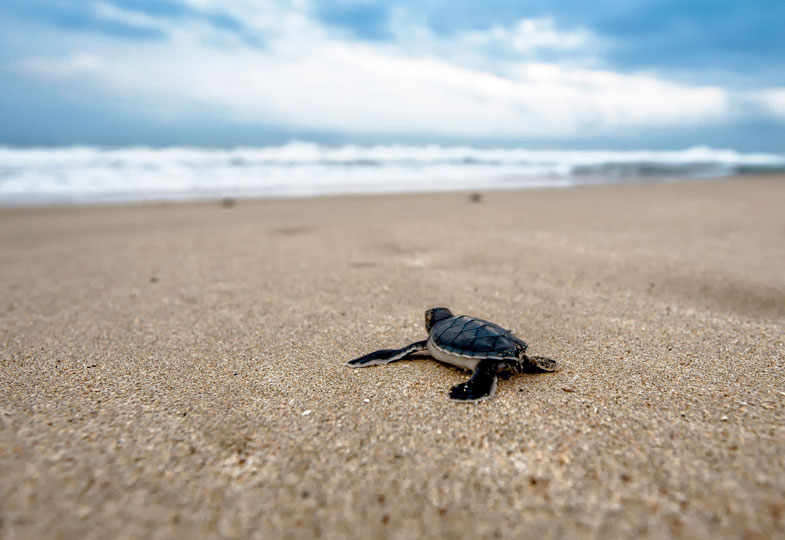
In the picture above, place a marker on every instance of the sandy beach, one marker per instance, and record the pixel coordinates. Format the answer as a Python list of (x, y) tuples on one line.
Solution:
[(177, 370)]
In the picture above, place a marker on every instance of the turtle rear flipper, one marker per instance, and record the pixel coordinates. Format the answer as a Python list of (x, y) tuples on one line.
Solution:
[(538, 364), (386, 356), (480, 387)]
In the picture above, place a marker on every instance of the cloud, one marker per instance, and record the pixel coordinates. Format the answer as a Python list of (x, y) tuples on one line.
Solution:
[(269, 17), (773, 100), (308, 76), (133, 19), (66, 66), (528, 36)]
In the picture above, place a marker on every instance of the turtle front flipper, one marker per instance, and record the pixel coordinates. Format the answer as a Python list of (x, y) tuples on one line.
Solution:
[(480, 387), (538, 364), (387, 355)]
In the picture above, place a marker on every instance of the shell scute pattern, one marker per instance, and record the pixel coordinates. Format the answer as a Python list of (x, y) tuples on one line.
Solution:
[(468, 336)]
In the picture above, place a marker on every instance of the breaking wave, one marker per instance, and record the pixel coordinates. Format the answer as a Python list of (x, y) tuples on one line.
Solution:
[(92, 174)]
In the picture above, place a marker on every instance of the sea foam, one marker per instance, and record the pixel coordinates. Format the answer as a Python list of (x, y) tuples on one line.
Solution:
[(91, 174)]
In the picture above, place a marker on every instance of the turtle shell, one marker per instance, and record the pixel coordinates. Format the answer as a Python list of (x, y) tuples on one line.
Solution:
[(476, 338)]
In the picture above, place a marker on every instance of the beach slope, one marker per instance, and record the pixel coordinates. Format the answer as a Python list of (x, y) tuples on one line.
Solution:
[(177, 370)]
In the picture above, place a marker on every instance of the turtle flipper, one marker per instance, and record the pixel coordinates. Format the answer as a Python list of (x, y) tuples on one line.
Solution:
[(538, 364), (480, 387), (387, 355)]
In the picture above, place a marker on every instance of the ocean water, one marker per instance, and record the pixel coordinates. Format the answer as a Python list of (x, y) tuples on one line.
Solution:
[(86, 174)]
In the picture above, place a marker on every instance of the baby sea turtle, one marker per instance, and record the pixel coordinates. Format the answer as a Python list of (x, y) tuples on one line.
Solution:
[(482, 347)]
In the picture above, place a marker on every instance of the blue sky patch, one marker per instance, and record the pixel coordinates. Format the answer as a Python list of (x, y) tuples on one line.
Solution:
[(626, 73)]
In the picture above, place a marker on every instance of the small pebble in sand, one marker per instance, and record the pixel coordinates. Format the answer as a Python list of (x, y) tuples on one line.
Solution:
[(306, 412), (366, 400), (475, 197)]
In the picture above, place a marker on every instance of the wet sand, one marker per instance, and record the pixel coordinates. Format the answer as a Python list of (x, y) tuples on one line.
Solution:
[(177, 370)]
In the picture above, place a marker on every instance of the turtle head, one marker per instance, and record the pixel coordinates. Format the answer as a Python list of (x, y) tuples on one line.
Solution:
[(434, 315)]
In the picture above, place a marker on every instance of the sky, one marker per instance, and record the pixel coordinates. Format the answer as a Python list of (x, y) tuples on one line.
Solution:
[(618, 74)]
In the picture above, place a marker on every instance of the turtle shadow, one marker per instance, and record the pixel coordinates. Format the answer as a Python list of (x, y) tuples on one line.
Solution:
[(504, 373)]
